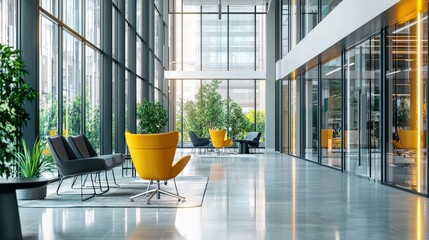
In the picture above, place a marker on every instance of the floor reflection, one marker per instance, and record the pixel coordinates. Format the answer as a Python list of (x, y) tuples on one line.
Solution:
[(271, 196)]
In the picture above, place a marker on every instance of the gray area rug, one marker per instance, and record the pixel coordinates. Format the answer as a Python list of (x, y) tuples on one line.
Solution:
[(191, 187)]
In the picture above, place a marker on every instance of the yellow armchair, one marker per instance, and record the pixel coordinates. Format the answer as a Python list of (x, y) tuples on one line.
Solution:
[(218, 139), (152, 156), (408, 141)]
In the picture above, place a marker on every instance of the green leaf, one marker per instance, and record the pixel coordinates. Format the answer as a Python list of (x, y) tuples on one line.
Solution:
[(14, 92)]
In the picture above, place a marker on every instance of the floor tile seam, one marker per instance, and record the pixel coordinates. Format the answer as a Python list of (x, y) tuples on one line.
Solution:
[(165, 229)]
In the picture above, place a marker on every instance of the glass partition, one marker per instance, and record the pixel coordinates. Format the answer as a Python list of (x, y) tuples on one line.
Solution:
[(330, 113), (285, 116), (295, 117), (311, 114), (406, 77)]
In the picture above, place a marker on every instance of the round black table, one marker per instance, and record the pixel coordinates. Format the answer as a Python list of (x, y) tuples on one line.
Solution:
[(10, 227), (243, 146)]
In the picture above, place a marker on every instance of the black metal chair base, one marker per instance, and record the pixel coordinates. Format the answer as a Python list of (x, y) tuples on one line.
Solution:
[(83, 185)]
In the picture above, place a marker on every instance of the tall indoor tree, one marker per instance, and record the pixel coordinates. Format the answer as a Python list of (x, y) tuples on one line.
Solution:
[(14, 92)]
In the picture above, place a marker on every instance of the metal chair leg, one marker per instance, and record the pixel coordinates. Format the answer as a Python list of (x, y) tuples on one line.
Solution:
[(114, 178), (59, 185), (74, 181), (81, 189), (175, 185)]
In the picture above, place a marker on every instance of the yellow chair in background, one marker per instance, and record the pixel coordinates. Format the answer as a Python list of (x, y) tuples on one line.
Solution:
[(408, 141), (218, 139), (327, 135), (152, 156)]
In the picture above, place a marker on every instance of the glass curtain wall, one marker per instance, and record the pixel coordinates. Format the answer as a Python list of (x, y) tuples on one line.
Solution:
[(362, 108), (73, 39), (328, 6), (92, 96), (260, 42), (407, 77), (72, 85), (242, 42), (203, 40), (214, 39), (227, 104), (8, 22), (299, 17), (285, 26), (241, 108), (309, 15), (191, 96), (48, 75), (115, 75), (259, 117), (331, 113), (159, 36), (191, 32)]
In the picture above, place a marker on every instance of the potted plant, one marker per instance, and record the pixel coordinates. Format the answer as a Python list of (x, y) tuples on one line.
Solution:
[(32, 164), (13, 93), (151, 116)]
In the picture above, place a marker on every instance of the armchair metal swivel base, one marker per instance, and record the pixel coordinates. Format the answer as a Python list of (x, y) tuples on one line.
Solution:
[(157, 191)]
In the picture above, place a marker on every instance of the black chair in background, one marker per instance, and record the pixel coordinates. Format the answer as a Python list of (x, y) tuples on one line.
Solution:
[(69, 165), (252, 139), (199, 142), (84, 149)]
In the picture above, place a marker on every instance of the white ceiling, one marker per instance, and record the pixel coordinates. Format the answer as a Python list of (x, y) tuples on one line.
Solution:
[(225, 2)]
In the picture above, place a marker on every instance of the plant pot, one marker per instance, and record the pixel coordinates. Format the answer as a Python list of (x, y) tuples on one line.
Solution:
[(31, 193)]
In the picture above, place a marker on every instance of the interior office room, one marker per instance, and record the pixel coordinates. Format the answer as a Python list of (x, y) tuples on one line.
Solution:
[(214, 119)]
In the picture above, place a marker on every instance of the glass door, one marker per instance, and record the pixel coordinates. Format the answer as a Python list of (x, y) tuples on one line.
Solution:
[(361, 143)]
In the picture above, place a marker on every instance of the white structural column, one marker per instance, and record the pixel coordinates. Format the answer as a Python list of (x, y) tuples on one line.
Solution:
[(270, 82)]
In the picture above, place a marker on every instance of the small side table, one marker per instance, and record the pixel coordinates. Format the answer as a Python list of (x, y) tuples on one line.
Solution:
[(128, 165), (10, 227)]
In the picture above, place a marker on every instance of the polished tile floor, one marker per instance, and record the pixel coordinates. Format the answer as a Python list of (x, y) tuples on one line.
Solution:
[(270, 196)]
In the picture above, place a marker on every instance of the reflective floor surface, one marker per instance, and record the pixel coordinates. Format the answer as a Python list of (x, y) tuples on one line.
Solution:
[(270, 196)]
